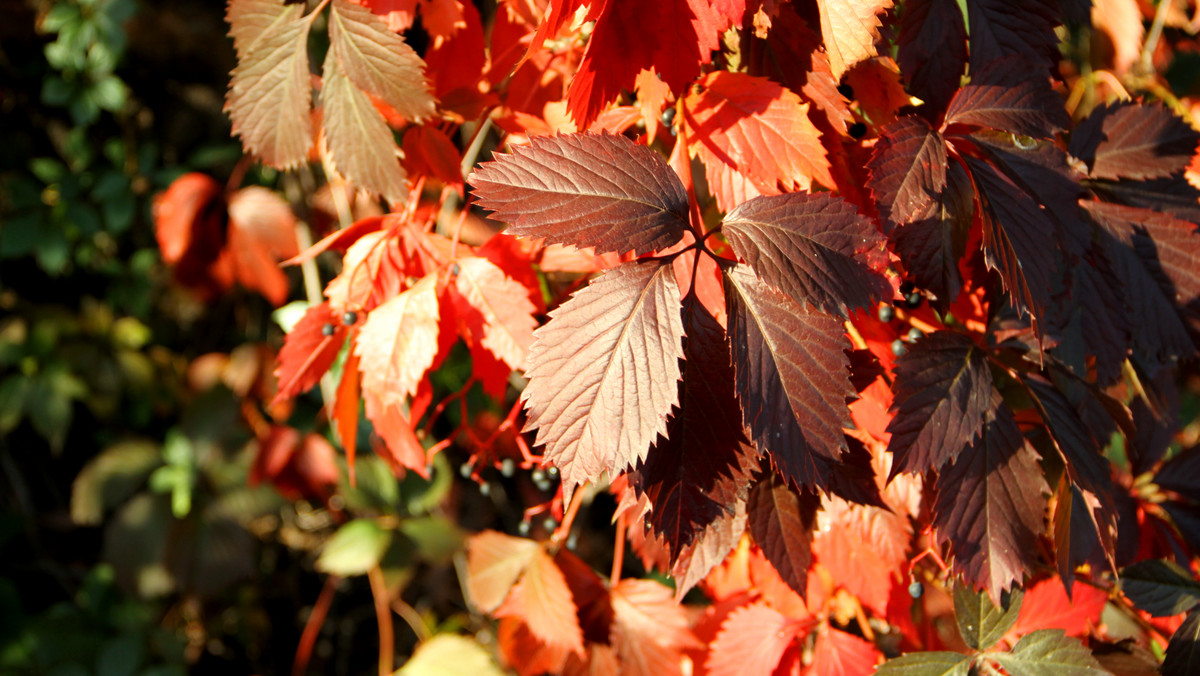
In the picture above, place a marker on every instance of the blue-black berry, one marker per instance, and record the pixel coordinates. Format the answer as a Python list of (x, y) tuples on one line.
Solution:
[(349, 318), (886, 313), (328, 330), (916, 589), (915, 334), (668, 117), (899, 348), (913, 299)]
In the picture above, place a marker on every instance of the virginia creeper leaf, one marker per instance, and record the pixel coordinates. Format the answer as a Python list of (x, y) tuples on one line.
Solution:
[(270, 97), (1082, 534), (1181, 473), (502, 320), (850, 28), (708, 549), (361, 144), (1183, 651), (989, 506), (1000, 28), (1047, 606), (398, 341), (1082, 452), (1161, 588), (701, 469), (1133, 140), (752, 640), (980, 622), (378, 61), (943, 391), (649, 630), (542, 600), (355, 548), (1041, 169), (495, 561), (755, 128), (450, 655), (927, 664), (781, 522), (1173, 195), (1004, 96), (791, 377), (932, 50), (586, 190), (814, 248), (1049, 652), (908, 170), (933, 243), (840, 653), (307, 353), (603, 371)]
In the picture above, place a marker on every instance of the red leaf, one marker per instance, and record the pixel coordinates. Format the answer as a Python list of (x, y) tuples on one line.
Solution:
[(781, 522), (1046, 606), (989, 506), (398, 342), (429, 152), (188, 220), (649, 630), (943, 389), (751, 641), (307, 352), (298, 467), (603, 372), (932, 50), (401, 448), (345, 411), (1133, 140), (672, 37), (497, 311), (837, 653), (864, 546), (791, 378), (751, 130), (908, 170), (1004, 96), (586, 190), (542, 600), (694, 476), (814, 248), (495, 562)]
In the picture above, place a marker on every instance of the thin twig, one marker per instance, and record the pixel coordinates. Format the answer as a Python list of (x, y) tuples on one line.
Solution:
[(312, 627), (383, 615), (412, 618), (618, 551)]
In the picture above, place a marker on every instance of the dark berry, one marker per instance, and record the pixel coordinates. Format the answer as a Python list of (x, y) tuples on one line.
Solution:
[(328, 330), (523, 528), (915, 334), (349, 318), (886, 313), (846, 90), (857, 130), (549, 523), (507, 467), (668, 117), (485, 490), (916, 589), (899, 348), (913, 299)]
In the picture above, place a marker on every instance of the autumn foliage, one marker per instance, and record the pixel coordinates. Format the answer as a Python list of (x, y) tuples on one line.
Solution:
[(872, 318)]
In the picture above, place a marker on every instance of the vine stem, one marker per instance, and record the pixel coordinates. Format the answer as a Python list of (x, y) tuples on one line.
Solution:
[(312, 627), (383, 615), (1156, 29), (618, 551), (564, 528), (412, 618)]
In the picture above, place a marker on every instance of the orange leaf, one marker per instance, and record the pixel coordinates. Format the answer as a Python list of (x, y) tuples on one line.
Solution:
[(543, 601), (401, 447), (494, 563), (838, 653), (754, 137), (398, 342), (849, 28), (752, 640), (649, 630), (345, 411)]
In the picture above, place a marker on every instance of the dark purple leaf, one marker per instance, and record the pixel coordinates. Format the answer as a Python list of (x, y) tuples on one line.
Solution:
[(781, 522), (852, 478), (1001, 28), (1154, 427), (695, 475), (1009, 95), (603, 372), (932, 50), (908, 170), (1093, 317), (1186, 519), (1082, 452), (1161, 588), (1133, 140), (816, 249), (1018, 239), (943, 389), (931, 246), (1082, 536), (708, 548), (989, 505), (1182, 474), (791, 377), (1173, 195), (1183, 651), (586, 190)]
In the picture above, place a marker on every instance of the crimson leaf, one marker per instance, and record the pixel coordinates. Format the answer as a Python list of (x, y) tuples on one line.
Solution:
[(814, 248), (932, 50), (791, 377), (702, 467), (781, 521), (943, 389), (586, 190), (604, 370), (908, 170), (1005, 97), (931, 246), (1133, 140), (1000, 28), (989, 505)]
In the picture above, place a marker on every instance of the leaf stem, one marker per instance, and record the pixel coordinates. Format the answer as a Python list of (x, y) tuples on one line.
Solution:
[(568, 520), (412, 618), (312, 626), (618, 551), (383, 615)]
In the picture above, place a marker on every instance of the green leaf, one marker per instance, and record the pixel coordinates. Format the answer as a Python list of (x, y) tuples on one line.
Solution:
[(1161, 588), (437, 538), (1049, 652), (111, 478), (980, 622), (450, 655), (354, 549), (927, 664), (1183, 652)]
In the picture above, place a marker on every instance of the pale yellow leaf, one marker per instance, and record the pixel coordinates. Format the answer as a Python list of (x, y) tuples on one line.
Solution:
[(450, 655)]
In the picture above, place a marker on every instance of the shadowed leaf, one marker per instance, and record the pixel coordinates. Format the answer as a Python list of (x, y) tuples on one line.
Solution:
[(908, 170), (1183, 652), (1133, 140), (932, 50), (980, 622), (781, 522), (1004, 96), (931, 246), (1001, 28), (1161, 588), (1049, 652)]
